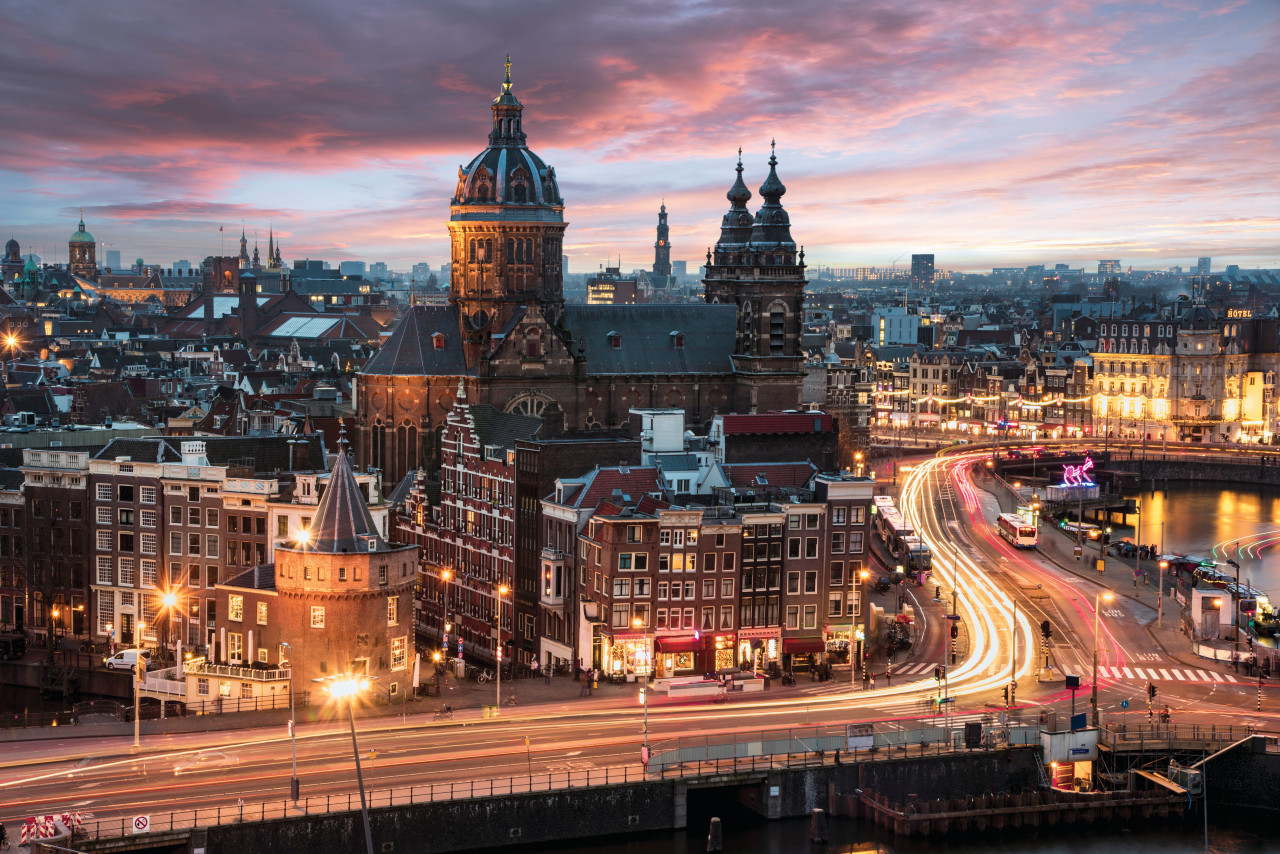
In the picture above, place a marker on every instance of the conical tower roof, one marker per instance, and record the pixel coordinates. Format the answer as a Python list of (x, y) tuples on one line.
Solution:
[(342, 521), (772, 226)]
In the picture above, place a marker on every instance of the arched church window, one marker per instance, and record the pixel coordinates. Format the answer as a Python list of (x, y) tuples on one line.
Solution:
[(511, 250), (519, 193), (472, 256), (488, 249)]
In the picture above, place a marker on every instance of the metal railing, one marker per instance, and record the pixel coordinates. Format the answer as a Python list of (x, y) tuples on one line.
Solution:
[(198, 667), (1156, 735)]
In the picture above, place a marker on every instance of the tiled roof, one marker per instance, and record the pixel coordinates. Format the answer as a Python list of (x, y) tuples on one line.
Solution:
[(758, 475), (649, 335), (777, 422), (502, 428), (411, 351), (627, 485), (157, 450), (342, 522), (261, 577)]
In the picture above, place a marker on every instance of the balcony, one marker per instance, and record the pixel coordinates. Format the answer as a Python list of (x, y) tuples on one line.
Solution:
[(201, 667)]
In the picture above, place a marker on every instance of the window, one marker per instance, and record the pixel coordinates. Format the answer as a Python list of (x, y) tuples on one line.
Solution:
[(148, 494), (662, 618), (641, 586), (708, 588), (793, 523), (235, 608), (621, 588), (793, 616), (811, 581), (677, 539), (211, 518), (104, 515), (837, 515), (175, 515), (835, 605), (193, 544), (709, 562), (148, 518), (726, 616), (726, 588), (202, 687), (148, 568), (103, 492), (727, 561), (233, 519), (126, 515), (126, 566), (262, 655), (193, 516), (855, 542), (125, 492), (837, 573), (837, 542), (811, 521), (810, 616), (691, 537), (662, 590), (105, 574), (793, 582), (393, 610), (640, 613), (104, 541), (688, 590), (810, 546), (708, 619), (262, 621), (621, 616), (398, 656), (211, 545), (235, 647), (793, 545), (317, 616), (282, 525)]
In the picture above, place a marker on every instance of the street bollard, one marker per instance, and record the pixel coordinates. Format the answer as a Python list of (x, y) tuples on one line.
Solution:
[(818, 826), (715, 841)]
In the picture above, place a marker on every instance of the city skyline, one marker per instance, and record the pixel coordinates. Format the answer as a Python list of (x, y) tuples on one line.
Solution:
[(986, 134)]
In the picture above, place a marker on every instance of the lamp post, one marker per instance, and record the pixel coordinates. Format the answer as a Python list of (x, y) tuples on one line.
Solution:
[(293, 727), (502, 591), (1098, 599), (855, 633), (644, 698), (347, 687), (446, 575), (1164, 566), (139, 676)]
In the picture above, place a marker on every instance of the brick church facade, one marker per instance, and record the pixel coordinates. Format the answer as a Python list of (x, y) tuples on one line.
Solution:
[(508, 340)]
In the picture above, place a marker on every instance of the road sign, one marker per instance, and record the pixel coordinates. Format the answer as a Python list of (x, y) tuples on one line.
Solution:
[(953, 616), (142, 824), (1124, 704), (947, 700)]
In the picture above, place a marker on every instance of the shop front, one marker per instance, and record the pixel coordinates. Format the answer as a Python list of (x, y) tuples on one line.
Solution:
[(721, 653), (677, 655), (838, 639), (628, 656), (758, 649), (798, 654)]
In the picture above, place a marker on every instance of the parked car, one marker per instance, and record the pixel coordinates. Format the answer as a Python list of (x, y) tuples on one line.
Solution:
[(883, 584), (126, 659), (205, 760)]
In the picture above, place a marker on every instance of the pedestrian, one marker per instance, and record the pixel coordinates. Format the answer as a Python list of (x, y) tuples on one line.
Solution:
[(546, 673), (887, 673), (533, 669)]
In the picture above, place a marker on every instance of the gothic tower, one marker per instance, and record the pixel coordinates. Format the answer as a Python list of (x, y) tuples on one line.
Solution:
[(82, 253), (756, 266), (662, 248), (506, 225), (244, 251)]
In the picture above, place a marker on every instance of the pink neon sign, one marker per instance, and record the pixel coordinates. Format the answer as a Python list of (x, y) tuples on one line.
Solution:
[(1078, 475)]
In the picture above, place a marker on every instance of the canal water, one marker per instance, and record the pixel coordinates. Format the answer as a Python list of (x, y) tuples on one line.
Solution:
[(1211, 519)]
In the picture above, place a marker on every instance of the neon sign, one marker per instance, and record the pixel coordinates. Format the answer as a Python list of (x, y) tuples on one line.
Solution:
[(1078, 475)]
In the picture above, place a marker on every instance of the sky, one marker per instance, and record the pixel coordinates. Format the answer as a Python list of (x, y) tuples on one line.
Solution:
[(988, 132)]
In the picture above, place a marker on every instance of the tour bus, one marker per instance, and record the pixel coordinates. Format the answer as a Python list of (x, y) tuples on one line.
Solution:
[(1018, 531), (918, 556)]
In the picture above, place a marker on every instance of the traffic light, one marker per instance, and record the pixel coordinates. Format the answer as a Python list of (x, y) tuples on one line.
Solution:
[(1151, 690), (955, 631), (937, 673), (1046, 629), (1006, 695)]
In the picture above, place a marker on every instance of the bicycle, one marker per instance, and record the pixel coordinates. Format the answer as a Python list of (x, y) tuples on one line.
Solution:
[(512, 700), (484, 676), (722, 696), (444, 713)]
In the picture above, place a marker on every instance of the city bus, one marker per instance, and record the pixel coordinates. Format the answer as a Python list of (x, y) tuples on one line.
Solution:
[(1018, 531), (1087, 530)]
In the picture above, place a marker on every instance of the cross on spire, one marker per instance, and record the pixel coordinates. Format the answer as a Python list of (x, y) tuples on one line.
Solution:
[(506, 84)]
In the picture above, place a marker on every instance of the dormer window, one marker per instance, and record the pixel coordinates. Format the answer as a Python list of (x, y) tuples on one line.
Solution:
[(437, 340), (677, 340), (615, 340)]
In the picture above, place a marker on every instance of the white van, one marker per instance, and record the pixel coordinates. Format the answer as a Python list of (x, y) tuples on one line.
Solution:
[(126, 659)]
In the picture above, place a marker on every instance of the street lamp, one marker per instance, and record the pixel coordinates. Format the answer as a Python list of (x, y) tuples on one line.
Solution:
[(446, 575), (347, 687), (139, 676), (293, 726), (1099, 598), (502, 591), (644, 698)]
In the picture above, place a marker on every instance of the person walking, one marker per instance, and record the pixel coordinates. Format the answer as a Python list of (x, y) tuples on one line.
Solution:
[(546, 673), (533, 669)]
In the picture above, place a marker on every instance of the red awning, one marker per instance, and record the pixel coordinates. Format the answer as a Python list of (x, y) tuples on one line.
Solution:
[(803, 645), (679, 644), (1050, 426)]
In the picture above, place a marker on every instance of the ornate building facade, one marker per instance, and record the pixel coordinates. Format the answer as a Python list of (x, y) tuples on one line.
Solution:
[(508, 337), (82, 253)]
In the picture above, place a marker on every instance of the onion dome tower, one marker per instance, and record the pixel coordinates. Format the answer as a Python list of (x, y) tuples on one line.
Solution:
[(82, 253), (506, 225)]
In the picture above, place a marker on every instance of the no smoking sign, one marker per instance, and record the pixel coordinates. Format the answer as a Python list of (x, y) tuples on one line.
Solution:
[(142, 824)]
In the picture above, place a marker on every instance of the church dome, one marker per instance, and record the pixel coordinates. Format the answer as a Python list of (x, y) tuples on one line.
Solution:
[(81, 236), (507, 172), (11, 249)]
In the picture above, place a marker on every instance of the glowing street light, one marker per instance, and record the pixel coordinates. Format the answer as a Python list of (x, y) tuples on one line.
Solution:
[(347, 687), (502, 591)]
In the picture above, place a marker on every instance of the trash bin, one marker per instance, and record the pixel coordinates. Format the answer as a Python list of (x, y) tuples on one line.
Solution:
[(459, 668), (488, 711)]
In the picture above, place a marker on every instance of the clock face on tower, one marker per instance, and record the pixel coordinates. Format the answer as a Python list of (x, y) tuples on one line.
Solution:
[(662, 243)]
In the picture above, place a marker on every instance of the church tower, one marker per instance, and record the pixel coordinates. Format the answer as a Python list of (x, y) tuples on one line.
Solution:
[(662, 248), (244, 251), (755, 265), (82, 253), (506, 227)]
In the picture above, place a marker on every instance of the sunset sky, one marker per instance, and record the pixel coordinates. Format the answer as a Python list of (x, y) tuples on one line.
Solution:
[(989, 132)]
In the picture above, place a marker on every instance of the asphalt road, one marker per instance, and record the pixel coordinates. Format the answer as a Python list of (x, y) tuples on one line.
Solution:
[(104, 779)]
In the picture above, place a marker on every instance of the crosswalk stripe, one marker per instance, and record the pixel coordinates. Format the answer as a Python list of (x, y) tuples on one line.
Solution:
[(1204, 677), (1231, 678), (1216, 677), (1138, 671), (1128, 673), (1178, 673), (1164, 674)]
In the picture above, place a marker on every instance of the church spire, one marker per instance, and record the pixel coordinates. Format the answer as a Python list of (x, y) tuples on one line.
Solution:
[(735, 228), (772, 227), (342, 521)]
